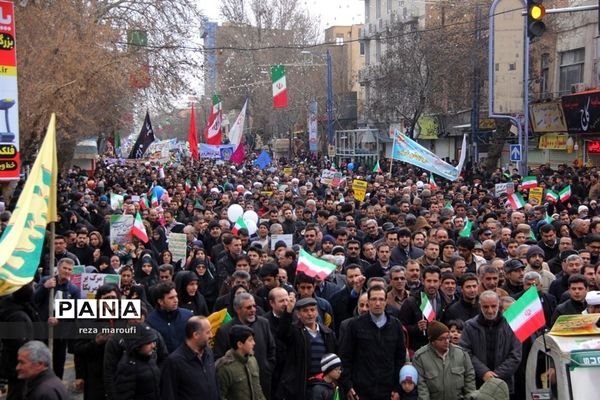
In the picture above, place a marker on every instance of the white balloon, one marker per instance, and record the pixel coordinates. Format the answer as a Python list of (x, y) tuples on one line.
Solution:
[(251, 216), (251, 225), (234, 212)]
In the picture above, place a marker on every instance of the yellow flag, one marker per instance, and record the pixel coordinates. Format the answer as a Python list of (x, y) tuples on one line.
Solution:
[(23, 239)]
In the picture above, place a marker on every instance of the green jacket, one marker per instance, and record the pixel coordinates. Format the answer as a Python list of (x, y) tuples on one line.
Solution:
[(451, 378), (238, 377)]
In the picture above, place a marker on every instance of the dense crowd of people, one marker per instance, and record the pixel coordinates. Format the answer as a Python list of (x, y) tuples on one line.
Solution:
[(359, 334)]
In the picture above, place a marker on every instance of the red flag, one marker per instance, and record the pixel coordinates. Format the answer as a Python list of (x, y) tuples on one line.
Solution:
[(238, 155), (193, 136)]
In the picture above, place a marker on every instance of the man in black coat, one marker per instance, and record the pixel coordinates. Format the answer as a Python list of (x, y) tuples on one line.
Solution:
[(34, 367), (307, 342), (189, 372), (578, 288), (344, 302), (264, 350), (466, 307), (372, 352)]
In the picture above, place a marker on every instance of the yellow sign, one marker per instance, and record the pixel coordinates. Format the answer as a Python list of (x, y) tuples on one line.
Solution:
[(575, 325), (487, 124), (553, 141), (535, 195), (266, 193), (547, 117), (428, 128), (288, 171), (331, 150), (360, 189)]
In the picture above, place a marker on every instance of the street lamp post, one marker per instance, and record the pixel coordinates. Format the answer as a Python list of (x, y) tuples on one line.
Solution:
[(329, 99)]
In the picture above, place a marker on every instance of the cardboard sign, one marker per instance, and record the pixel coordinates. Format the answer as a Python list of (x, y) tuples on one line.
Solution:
[(90, 282), (288, 171), (504, 188), (120, 229), (178, 246), (360, 189), (287, 238), (535, 195), (327, 176)]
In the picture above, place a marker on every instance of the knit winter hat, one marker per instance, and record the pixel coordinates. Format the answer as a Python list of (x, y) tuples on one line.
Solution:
[(409, 373), (435, 329), (329, 362)]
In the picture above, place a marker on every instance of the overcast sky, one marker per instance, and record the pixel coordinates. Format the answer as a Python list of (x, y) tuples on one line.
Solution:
[(331, 12)]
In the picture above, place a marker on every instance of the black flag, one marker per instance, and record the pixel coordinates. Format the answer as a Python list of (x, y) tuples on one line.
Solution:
[(144, 140)]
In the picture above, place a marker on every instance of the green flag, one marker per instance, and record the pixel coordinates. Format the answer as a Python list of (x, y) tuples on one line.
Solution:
[(466, 231)]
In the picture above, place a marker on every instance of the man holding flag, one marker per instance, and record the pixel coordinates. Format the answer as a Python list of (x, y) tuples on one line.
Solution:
[(423, 307)]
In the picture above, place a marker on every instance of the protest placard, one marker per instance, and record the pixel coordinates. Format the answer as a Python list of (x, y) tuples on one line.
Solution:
[(287, 238), (178, 246), (120, 227)]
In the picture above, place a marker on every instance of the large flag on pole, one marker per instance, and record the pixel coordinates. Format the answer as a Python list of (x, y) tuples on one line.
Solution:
[(145, 138), (407, 150), (23, 239), (193, 135), (236, 136), (212, 132), (280, 93)]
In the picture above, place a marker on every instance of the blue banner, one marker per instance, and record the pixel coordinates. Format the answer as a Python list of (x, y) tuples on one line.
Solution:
[(407, 150), (263, 160), (216, 152)]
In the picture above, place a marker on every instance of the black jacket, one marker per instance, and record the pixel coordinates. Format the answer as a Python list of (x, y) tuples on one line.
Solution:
[(295, 373), (372, 357), (46, 386), (184, 376), (410, 315), (569, 307), (343, 304), (137, 377), (461, 310)]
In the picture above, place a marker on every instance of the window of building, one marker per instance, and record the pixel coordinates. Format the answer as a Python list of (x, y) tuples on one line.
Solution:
[(362, 48), (545, 75), (339, 39), (571, 69)]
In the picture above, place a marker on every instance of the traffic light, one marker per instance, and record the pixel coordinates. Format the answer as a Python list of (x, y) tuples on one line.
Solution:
[(535, 13)]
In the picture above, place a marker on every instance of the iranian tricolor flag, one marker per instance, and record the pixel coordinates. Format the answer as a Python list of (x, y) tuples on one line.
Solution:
[(529, 182), (565, 194), (138, 229), (154, 200), (377, 168), (427, 308), (432, 183), (212, 132), (516, 201), (144, 203), (188, 185), (551, 196), (526, 315), (313, 266), (239, 224), (280, 97)]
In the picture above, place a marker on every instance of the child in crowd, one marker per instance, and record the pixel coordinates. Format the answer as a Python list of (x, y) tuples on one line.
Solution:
[(408, 381), (456, 327), (324, 386)]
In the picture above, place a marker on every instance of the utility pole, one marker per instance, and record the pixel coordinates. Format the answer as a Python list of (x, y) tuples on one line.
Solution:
[(476, 89)]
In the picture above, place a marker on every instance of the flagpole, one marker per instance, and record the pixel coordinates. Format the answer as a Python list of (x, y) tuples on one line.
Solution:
[(51, 261), (392, 157)]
